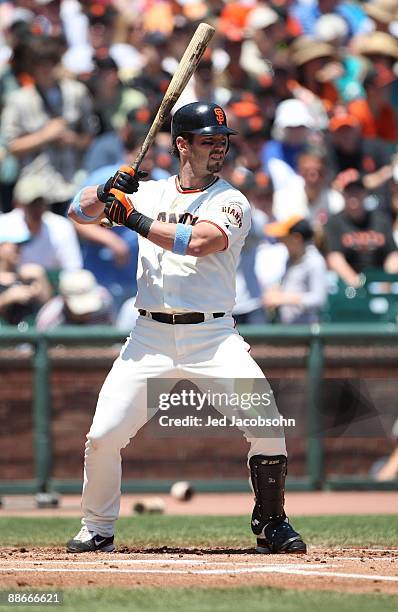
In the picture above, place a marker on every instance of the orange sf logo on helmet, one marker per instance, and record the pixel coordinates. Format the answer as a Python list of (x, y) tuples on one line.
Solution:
[(219, 113)]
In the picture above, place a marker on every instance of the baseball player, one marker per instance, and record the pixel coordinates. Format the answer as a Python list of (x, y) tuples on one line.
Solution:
[(191, 230)]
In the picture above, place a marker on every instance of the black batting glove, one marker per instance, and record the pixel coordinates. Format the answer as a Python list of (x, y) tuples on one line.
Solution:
[(104, 189), (117, 207), (125, 180)]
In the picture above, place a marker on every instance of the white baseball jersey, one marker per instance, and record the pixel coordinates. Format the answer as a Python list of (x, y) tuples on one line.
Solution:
[(183, 283), (211, 350)]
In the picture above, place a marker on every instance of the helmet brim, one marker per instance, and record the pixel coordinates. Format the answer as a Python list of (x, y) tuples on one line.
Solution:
[(214, 129)]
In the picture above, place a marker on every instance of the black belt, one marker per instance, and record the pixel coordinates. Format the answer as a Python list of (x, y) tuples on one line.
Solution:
[(178, 319)]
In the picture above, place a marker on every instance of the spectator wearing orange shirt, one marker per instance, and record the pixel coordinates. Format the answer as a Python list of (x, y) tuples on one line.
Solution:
[(375, 113)]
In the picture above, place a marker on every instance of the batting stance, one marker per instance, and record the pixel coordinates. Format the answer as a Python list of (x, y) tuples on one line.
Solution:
[(191, 230)]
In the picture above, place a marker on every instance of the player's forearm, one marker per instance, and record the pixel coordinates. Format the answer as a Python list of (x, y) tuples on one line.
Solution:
[(86, 207), (203, 241), (162, 234)]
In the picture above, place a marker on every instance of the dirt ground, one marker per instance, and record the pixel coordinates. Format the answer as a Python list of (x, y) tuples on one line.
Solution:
[(341, 569)]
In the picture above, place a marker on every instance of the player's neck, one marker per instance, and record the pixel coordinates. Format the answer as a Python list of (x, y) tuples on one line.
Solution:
[(187, 180)]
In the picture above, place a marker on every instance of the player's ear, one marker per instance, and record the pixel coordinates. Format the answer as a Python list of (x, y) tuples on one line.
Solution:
[(182, 144)]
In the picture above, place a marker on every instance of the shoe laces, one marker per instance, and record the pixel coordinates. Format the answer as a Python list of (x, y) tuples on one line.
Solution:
[(84, 535)]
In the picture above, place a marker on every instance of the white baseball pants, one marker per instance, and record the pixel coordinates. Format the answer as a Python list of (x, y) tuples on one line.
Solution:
[(213, 349)]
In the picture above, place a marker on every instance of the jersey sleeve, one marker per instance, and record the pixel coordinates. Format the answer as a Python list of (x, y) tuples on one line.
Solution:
[(231, 215)]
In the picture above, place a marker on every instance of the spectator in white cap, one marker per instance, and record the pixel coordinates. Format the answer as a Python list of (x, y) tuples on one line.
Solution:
[(291, 134), (23, 289), (54, 244), (81, 302), (264, 32)]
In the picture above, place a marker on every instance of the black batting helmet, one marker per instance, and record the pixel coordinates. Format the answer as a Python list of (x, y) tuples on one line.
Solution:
[(199, 118)]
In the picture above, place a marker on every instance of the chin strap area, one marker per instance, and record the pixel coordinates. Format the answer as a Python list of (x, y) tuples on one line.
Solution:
[(268, 475)]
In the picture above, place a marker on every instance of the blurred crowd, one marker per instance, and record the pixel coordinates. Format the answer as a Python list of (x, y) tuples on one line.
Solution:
[(310, 85)]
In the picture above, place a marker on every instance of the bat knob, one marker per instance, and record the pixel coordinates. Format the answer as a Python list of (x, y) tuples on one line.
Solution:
[(106, 223)]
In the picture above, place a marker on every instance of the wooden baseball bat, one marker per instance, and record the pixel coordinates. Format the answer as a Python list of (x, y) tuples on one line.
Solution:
[(185, 69)]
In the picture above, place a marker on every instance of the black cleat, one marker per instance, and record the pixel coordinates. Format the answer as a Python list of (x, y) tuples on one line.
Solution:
[(280, 538), (87, 541)]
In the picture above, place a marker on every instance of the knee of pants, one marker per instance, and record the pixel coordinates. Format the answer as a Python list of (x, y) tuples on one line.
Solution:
[(266, 446), (113, 439)]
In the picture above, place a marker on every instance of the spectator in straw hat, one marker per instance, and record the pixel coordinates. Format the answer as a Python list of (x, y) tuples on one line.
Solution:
[(382, 50), (382, 12), (376, 114), (379, 47), (309, 60)]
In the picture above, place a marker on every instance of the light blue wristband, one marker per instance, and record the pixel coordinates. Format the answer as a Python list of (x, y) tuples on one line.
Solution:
[(182, 238), (76, 207)]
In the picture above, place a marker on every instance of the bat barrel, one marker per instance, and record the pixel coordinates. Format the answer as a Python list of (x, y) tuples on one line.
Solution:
[(185, 69)]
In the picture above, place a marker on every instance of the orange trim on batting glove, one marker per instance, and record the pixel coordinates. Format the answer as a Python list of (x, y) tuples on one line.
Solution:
[(121, 197)]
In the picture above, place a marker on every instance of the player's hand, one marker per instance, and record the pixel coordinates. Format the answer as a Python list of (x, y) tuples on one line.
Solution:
[(117, 207), (126, 180)]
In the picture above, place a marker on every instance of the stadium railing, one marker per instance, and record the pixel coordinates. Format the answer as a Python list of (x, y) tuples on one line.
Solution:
[(316, 337)]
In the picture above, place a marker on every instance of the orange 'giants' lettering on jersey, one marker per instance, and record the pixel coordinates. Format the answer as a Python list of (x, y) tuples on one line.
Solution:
[(363, 241), (234, 214), (219, 113)]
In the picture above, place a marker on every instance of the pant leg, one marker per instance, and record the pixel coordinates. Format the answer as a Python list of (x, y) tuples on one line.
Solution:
[(216, 351), (121, 411)]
